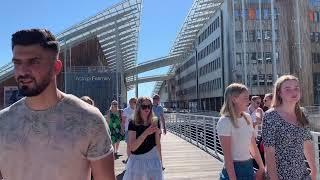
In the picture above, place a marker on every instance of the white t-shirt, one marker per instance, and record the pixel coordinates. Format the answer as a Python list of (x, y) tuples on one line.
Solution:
[(128, 112), (52, 144), (240, 137)]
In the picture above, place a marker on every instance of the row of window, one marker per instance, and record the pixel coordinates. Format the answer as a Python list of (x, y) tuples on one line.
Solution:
[(186, 65), (254, 14), (210, 29), (315, 37), (261, 79), (256, 36), (256, 79), (187, 78), (210, 67), (316, 58), (210, 85), (187, 91), (255, 57), (209, 49)]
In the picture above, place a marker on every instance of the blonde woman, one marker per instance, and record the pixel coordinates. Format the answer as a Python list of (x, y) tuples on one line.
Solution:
[(287, 140), (116, 125), (144, 142), (236, 135)]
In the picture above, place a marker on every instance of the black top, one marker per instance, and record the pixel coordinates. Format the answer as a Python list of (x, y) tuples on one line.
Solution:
[(148, 143)]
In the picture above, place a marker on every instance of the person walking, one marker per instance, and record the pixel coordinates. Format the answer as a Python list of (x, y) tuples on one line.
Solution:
[(144, 142), (158, 111), (116, 124), (49, 134), (285, 134), (128, 114), (236, 135)]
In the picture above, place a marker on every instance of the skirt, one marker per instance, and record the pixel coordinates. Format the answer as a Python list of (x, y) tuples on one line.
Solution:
[(144, 166), (243, 169)]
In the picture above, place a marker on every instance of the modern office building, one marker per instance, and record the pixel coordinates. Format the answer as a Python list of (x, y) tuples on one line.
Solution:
[(252, 42)]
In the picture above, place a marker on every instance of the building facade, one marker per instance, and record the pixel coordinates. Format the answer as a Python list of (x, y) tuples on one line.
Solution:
[(252, 42)]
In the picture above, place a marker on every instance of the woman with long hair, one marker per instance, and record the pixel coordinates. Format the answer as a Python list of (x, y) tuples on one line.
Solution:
[(285, 135), (144, 143), (236, 135), (116, 125)]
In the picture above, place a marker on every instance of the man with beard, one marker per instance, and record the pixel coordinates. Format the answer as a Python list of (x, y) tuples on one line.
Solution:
[(49, 134)]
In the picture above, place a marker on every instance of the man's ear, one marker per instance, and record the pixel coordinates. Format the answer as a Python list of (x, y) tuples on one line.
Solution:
[(57, 66)]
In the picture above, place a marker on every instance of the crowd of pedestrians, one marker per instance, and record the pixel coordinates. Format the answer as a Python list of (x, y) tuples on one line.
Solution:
[(52, 135)]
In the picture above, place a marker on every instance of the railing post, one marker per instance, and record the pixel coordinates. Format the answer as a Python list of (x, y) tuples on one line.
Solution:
[(190, 128), (179, 125), (185, 127), (197, 132), (215, 137), (205, 134)]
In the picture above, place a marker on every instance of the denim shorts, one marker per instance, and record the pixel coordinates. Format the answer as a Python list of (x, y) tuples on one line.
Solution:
[(243, 169)]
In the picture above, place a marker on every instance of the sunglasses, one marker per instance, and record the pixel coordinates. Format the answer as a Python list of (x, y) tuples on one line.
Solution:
[(114, 104), (146, 107)]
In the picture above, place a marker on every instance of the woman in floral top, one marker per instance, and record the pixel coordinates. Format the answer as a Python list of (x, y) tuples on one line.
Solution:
[(286, 139), (116, 125)]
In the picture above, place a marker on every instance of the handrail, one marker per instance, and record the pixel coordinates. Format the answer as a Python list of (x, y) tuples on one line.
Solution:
[(200, 131)]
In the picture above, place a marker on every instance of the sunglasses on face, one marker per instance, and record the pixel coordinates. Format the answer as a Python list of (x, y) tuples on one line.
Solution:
[(146, 107), (114, 104)]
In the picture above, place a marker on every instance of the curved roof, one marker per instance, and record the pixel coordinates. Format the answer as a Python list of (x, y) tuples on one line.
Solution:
[(200, 12), (116, 28)]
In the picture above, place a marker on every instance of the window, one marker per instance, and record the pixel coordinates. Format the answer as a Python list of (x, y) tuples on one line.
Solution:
[(237, 15), (261, 79), (257, 13), (251, 13), (312, 37), (253, 57), (317, 16), (268, 57), (254, 80), (266, 14), (246, 58), (258, 35), (317, 37), (269, 79), (259, 58), (238, 59), (251, 36), (238, 36), (267, 35)]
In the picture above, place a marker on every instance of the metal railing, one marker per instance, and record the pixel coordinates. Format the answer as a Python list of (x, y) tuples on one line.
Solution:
[(201, 131)]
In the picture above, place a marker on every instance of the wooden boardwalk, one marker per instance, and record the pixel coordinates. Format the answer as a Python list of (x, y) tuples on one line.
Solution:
[(182, 161)]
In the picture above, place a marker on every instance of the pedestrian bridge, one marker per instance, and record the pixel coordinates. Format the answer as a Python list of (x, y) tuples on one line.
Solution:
[(191, 148)]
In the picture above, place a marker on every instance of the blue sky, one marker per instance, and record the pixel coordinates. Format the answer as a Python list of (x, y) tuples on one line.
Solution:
[(161, 20)]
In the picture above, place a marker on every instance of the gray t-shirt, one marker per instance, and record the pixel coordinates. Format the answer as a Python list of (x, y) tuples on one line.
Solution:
[(57, 143)]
